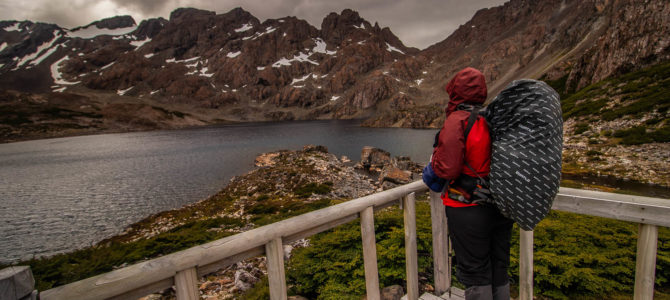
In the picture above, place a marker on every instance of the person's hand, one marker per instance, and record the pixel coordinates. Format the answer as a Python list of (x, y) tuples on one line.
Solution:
[(434, 182)]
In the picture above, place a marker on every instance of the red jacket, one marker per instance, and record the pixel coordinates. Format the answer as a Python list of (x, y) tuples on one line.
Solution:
[(468, 86)]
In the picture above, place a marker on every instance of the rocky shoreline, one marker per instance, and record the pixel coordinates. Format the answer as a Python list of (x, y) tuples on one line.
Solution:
[(285, 179)]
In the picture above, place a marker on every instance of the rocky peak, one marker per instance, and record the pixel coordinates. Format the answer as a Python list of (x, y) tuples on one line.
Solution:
[(335, 26), (188, 12), (111, 23), (150, 28)]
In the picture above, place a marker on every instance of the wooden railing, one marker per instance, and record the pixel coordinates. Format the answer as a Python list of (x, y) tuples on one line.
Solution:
[(182, 269)]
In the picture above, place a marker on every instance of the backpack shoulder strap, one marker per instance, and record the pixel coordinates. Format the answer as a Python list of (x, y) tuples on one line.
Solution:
[(471, 121)]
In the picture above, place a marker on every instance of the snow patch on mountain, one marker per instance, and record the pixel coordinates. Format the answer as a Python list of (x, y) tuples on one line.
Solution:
[(14, 27), (56, 74), (390, 48), (37, 52), (139, 44), (244, 27), (93, 31)]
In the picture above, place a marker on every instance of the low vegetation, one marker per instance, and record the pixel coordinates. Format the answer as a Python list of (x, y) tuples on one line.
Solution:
[(575, 256), (631, 96)]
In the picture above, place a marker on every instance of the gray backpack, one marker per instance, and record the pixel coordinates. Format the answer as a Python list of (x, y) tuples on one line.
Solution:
[(526, 128)]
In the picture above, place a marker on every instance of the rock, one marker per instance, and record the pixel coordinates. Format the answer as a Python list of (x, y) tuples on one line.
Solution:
[(374, 159), (345, 159), (266, 159), (394, 292), (315, 148), (287, 251), (393, 174), (244, 280), (208, 286)]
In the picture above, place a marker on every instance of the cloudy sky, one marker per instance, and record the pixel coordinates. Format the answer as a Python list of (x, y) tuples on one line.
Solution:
[(418, 23)]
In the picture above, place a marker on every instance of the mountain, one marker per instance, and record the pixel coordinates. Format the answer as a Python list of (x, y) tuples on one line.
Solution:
[(576, 42), (227, 67), (200, 67)]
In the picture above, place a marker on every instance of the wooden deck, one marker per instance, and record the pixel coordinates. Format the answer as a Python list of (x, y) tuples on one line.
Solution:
[(181, 269), (456, 294)]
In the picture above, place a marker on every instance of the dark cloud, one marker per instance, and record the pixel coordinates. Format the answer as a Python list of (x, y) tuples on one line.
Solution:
[(418, 23)]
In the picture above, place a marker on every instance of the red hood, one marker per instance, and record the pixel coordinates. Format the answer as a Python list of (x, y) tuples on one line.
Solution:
[(468, 86)]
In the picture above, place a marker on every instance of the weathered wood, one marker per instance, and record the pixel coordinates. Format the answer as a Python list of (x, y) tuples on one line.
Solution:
[(412, 264), (638, 209), (440, 244), (370, 254), (645, 263), (140, 276), (276, 275), (526, 265), (146, 290), (318, 229), (186, 284), (454, 294), (145, 273), (218, 265), (16, 282)]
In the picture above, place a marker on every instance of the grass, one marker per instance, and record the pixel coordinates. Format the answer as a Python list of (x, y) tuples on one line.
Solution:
[(639, 92)]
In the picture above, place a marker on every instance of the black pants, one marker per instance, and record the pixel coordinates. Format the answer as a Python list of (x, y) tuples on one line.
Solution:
[(481, 239)]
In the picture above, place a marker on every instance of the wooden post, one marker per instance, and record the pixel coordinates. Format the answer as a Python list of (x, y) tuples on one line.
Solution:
[(441, 265), (370, 253), (186, 282), (276, 275), (17, 283), (526, 265), (412, 265), (645, 263)]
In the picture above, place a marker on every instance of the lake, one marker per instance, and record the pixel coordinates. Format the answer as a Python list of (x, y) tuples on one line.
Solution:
[(66, 193)]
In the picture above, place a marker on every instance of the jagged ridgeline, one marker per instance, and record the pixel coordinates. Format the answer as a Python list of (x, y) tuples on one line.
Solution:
[(199, 67)]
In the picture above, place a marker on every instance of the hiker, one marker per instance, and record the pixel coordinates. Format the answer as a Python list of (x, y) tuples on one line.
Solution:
[(459, 168)]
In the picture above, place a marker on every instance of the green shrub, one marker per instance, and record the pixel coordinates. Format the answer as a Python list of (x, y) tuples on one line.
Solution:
[(333, 264), (313, 188), (65, 268), (661, 135), (581, 128), (641, 92), (575, 257), (593, 153)]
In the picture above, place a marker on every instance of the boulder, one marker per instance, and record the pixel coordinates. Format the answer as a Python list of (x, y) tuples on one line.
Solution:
[(244, 280), (395, 175), (374, 159), (394, 292)]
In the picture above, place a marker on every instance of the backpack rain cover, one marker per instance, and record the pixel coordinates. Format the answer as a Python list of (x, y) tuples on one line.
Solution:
[(526, 127)]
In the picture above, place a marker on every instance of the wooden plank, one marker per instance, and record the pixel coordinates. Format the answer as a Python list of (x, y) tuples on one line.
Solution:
[(440, 244), (645, 210), (370, 254), (146, 290), (276, 275), (145, 273), (645, 263), (526, 265), (318, 229), (412, 264), (454, 294), (218, 265), (186, 284), (621, 207)]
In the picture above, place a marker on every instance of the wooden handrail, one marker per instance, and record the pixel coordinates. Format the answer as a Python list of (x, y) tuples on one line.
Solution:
[(181, 267)]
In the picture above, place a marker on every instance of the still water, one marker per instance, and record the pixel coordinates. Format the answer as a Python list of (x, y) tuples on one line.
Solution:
[(61, 194)]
